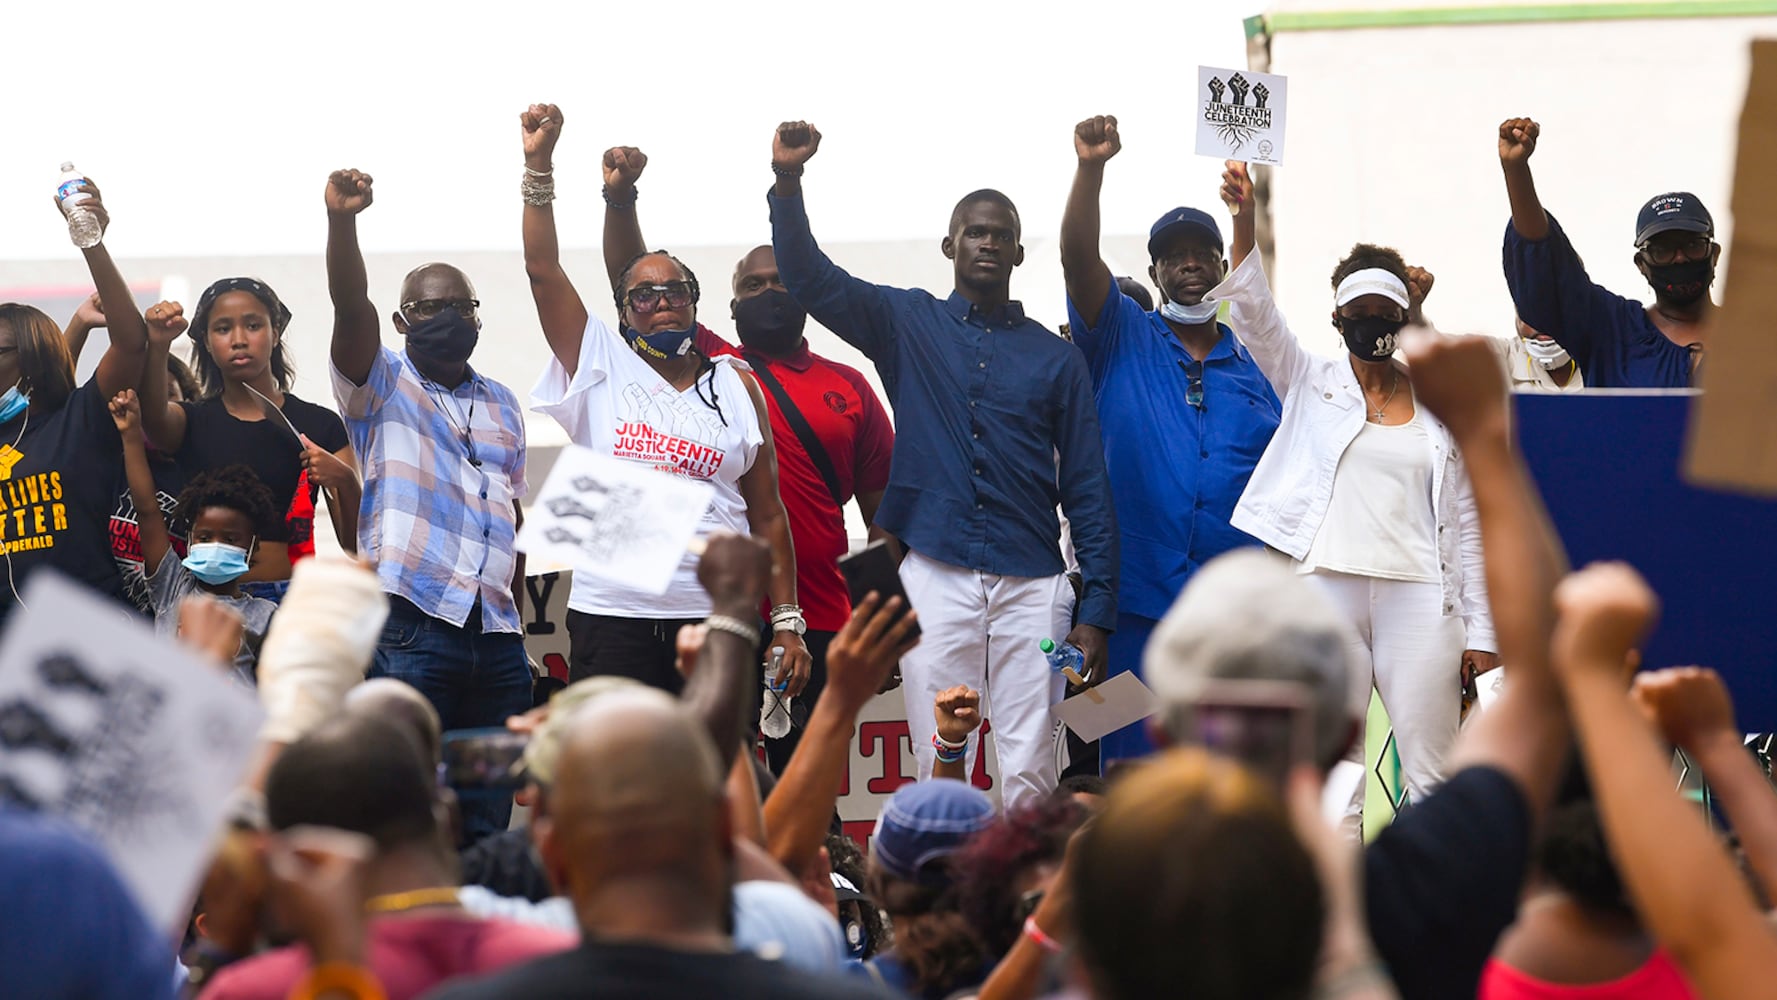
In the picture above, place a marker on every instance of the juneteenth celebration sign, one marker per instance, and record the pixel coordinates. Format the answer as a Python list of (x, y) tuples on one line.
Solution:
[(1240, 115)]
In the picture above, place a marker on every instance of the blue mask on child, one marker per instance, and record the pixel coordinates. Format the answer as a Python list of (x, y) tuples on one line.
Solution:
[(13, 403), (216, 563)]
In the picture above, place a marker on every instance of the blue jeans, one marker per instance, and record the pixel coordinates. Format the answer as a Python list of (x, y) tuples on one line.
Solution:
[(1125, 648), (473, 678)]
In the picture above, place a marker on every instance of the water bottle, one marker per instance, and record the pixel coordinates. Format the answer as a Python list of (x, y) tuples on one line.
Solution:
[(83, 225), (1063, 655), (774, 714)]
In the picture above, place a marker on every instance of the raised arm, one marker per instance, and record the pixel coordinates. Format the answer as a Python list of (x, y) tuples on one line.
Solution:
[(355, 337), (768, 520), (1517, 140), (163, 419), (88, 316), (1237, 194), (126, 413), (121, 367), (733, 570), (1088, 280), (1683, 885), (559, 307), (1526, 735), (623, 166), (1255, 318)]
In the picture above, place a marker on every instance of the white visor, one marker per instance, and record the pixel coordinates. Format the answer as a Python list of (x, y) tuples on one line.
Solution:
[(1371, 281)]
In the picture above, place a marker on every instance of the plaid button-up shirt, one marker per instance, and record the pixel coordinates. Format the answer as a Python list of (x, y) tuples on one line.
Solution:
[(442, 469)]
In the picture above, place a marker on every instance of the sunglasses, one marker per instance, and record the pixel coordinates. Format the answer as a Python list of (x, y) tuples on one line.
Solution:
[(648, 298), (1194, 382), (428, 308), (1695, 248)]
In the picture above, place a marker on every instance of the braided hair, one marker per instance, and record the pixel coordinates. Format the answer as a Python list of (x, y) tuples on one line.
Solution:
[(705, 365)]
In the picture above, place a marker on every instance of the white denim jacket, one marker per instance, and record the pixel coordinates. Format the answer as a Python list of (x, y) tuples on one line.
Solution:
[(1323, 412)]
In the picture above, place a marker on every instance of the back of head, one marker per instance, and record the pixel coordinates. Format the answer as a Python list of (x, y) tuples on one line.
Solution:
[(542, 754), (359, 773), (402, 704), (1137, 291), (235, 487), (1574, 855), (1001, 866), (1192, 883), (46, 369), (1247, 616)]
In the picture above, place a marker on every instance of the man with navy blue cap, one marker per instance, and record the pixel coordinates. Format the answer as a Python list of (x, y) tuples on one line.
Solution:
[(1616, 342), (1184, 410)]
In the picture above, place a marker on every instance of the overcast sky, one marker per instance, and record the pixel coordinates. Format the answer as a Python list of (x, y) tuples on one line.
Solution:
[(212, 125)]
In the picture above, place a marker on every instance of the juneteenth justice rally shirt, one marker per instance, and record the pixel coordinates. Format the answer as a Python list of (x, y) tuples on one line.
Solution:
[(60, 474)]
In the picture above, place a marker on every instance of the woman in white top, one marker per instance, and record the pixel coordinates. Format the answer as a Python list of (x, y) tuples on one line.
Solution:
[(1366, 492), (650, 396)]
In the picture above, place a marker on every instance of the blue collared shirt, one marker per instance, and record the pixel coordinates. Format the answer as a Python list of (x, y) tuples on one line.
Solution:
[(984, 404), (1177, 470)]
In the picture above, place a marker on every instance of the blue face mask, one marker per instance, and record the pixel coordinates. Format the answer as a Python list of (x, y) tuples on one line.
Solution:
[(216, 563), (13, 403), (662, 344)]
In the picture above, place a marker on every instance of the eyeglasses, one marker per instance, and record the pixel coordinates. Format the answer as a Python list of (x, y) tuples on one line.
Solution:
[(1194, 384), (428, 308), (647, 298), (1695, 248)]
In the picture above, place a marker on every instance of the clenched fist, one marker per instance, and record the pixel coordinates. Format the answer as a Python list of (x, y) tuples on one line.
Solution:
[(1237, 186), (166, 321), (1096, 139), (348, 192), (794, 144), (1517, 139), (540, 125), (623, 165), (1419, 282)]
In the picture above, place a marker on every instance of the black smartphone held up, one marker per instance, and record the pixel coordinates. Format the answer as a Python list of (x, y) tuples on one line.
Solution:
[(873, 568), (1265, 725), (484, 758)]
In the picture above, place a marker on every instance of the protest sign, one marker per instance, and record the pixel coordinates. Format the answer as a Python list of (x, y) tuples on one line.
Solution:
[(1240, 115)]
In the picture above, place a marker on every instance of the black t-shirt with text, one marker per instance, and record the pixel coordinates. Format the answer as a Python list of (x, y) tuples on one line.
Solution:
[(603, 971), (60, 474), (215, 438)]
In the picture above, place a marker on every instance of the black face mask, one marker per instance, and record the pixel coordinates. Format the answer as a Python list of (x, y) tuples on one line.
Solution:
[(1370, 338), (448, 338), (1681, 283), (770, 321)]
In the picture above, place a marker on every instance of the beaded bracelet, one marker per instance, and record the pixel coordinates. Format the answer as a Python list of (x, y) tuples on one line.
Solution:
[(620, 202), (783, 171), (947, 753)]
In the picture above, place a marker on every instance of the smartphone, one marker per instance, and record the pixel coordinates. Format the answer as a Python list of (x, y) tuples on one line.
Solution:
[(484, 758), (1268, 726), (873, 568)]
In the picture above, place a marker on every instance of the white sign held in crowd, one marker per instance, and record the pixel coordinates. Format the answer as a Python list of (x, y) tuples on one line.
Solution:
[(1121, 701), (614, 519), (1240, 115), (124, 734)]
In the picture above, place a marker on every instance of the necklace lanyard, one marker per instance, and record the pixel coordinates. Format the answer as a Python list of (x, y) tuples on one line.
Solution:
[(464, 430)]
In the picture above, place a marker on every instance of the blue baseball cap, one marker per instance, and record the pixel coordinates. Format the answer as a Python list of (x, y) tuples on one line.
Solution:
[(1680, 210), (924, 822), (1178, 219)]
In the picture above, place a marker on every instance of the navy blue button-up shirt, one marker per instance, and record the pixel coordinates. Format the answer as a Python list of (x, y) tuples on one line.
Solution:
[(1177, 470), (984, 405)]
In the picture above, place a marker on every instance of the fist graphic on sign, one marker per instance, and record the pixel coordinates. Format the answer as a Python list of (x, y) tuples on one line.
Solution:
[(1260, 94), (1239, 86), (1216, 89)]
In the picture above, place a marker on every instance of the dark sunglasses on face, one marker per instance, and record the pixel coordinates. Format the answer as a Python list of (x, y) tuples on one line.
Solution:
[(428, 308), (1695, 248), (647, 298)]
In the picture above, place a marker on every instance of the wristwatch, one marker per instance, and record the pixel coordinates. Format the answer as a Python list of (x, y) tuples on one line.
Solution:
[(788, 618)]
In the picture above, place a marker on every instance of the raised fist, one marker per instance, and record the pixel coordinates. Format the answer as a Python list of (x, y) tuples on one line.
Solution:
[(1459, 379), (166, 321), (1689, 704), (1237, 186), (1517, 139), (1216, 89), (1605, 610), (90, 313), (126, 413), (623, 165), (794, 144), (1096, 139), (348, 192), (957, 711), (1419, 282), (1239, 86), (1261, 94), (541, 127)]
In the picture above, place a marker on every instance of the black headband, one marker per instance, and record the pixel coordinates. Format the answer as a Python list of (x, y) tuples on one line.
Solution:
[(200, 318)]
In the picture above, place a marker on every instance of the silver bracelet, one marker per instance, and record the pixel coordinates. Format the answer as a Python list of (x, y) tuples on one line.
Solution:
[(539, 173), (537, 194), (733, 626)]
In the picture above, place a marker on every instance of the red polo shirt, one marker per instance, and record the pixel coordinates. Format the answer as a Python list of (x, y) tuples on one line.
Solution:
[(851, 424)]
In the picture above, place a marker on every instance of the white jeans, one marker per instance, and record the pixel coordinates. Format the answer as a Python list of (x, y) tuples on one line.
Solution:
[(982, 630), (1412, 653)]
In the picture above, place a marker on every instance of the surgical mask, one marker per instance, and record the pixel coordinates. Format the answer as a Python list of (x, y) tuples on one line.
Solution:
[(449, 337), (1682, 283), (13, 403), (770, 321), (1371, 338), (1547, 353), (662, 344), (216, 563), (1195, 315)]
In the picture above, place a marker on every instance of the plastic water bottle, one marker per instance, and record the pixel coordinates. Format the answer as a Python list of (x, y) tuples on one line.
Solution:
[(774, 714), (83, 225), (1063, 655)]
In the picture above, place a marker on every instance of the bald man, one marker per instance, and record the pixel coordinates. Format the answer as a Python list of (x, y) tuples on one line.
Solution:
[(442, 452), (638, 835)]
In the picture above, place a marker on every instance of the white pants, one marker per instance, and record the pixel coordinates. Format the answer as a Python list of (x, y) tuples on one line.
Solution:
[(982, 630), (1412, 653)]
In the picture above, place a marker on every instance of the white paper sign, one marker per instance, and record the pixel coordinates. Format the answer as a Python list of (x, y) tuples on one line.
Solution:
[(124, 734), (1240, 114), (615, 519), (1120, 701)]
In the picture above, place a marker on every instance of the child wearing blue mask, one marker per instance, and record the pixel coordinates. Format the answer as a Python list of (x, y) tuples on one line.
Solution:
[(224, 511)]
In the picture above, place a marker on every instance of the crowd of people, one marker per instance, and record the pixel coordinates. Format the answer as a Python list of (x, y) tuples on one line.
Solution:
[(1262, 533)]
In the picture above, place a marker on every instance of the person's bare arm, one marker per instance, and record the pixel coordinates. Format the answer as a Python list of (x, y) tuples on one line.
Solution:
[(126, 414), (559, 307), (121, 367), (1684, 887), (768, 520), (355, 336), (1237, 194), (163, 419), (733, 570), (1517, 140), (1525, 735), (88, 316), (623, 166), (1082, 268), (958, 713), (1692, 708)]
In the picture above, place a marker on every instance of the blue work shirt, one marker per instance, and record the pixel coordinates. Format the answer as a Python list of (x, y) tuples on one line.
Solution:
[(1609, 336), (983, 406), (1177, 470)]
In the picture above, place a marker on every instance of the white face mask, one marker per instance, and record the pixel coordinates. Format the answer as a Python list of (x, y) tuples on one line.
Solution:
[(1547, 353), (1200, 313)]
